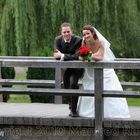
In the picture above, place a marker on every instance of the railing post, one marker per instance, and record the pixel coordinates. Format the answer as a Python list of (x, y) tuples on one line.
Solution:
[(1, 97), (99, 107), (58, 77)]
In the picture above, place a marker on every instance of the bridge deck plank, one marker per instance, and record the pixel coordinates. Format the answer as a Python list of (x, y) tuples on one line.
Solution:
[(57, 115)]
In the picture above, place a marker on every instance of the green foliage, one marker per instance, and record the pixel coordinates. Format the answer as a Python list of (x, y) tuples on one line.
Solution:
[(7, 73), (41, 73), (30, 25), (18, 28)]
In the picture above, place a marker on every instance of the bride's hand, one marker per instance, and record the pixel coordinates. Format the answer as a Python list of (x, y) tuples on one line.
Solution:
[(81, 58)]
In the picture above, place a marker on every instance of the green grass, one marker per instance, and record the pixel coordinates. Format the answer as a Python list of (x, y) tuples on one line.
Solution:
[(19, 99), (133, 101)]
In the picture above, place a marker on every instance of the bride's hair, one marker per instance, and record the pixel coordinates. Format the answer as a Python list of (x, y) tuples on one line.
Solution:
[(90, 27)]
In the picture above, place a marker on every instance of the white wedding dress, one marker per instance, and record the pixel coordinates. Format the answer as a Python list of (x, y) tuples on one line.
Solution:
[(113, 107)]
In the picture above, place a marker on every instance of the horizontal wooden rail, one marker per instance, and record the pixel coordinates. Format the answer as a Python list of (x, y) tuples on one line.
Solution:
[(130, 84), (47, 91), (26, 57), (49, 63), (68, 92), (125, 93), (52, 58), (44, 83), (51, 83), (127, 59)]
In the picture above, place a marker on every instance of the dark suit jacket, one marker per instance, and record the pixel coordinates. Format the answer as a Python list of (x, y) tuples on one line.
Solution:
[(68, 51)]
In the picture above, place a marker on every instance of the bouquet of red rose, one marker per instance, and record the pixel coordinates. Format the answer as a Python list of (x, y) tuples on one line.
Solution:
[(84, 53)]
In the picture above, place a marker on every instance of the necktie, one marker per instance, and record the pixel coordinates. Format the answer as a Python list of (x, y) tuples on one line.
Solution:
[(67, 45)]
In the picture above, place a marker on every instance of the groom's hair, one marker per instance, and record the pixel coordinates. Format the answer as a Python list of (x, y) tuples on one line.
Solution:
[(90, 27), (66, 24)]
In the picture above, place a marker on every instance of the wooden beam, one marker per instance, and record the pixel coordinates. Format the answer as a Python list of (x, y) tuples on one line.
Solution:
[(99, 105), (69, 64), (47, 91), (58, 79), (1, 97), (126, 93)]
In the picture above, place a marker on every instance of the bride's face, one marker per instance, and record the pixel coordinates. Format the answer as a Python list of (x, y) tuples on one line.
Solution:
[(88, 36)]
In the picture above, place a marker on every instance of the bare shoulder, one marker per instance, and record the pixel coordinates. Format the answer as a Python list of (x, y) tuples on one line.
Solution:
[(101, 45)]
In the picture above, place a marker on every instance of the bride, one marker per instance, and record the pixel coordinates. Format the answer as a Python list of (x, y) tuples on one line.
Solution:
[(100, 48)]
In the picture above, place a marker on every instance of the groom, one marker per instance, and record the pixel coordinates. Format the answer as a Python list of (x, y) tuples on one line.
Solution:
[(66, 46)]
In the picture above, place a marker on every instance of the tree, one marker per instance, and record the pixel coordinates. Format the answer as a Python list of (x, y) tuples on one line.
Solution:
[(30, 25)]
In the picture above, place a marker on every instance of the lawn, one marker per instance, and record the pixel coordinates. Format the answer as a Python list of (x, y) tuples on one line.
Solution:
[(133, 101)]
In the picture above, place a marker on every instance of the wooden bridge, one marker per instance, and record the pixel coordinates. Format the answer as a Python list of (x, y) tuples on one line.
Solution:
[(36, 121)]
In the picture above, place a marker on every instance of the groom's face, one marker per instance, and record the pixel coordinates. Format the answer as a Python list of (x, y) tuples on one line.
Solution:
[(66, 33)]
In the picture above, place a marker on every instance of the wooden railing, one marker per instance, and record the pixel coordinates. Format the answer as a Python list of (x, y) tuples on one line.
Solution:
[(49, 62)]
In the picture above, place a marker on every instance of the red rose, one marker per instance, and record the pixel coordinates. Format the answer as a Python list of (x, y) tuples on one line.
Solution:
[(83, 50), (84, 53)]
